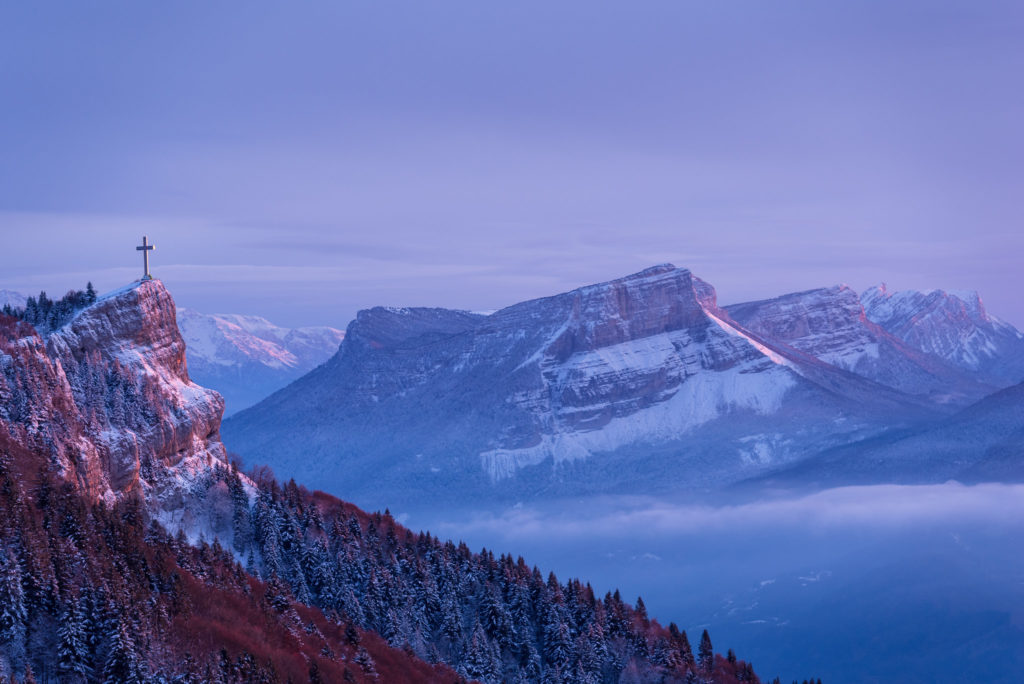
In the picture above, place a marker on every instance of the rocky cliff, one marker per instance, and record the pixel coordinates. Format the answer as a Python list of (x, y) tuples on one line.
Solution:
[(108, 398), (635, 385), (831, 324), (953, 326)]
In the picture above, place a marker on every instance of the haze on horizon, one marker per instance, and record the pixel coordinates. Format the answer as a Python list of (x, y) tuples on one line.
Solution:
[(304, 162)]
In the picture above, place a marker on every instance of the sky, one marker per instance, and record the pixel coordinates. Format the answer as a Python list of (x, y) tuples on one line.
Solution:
[(302, 161)]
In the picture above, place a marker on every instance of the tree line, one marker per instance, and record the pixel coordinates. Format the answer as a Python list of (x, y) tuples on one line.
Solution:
[(47, 314)]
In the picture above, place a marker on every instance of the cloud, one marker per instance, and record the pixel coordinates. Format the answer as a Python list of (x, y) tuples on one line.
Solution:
[(879, 507)]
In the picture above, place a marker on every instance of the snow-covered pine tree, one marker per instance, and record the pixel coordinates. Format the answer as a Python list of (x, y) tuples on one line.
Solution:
[(13, 615), (481, 661), (365, 661), (122, 665), (72, 650), (705, 653)]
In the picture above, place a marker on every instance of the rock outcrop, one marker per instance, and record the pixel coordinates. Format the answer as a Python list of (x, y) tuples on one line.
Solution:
[(108, 398), (831, 325), (954, 327)]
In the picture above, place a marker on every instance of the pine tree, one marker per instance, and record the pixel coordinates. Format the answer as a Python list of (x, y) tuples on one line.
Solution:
[(122, 666), (72, 651), (705, 653), (13, 612), (365, 661), (496, 620), (90, 293), (682, 644), (557, 642), (641, 609), (481, 661)]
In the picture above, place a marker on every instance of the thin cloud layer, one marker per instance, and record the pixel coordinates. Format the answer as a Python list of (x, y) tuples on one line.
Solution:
[(882, 506)]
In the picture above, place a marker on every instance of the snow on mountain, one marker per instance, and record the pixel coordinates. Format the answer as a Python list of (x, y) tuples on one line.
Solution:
[(109, 398), (103, 434), (831, 325), (629, 385), (952, 326), (247, 358), (15, 299)]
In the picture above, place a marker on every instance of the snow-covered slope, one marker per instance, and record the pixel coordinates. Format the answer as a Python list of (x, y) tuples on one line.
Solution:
[(952, 326), (982, 443), (247, 358), (15, 299), (636, 384), (831, 325)]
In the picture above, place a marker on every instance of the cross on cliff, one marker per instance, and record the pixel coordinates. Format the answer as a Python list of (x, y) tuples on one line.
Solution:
[(145, 248)]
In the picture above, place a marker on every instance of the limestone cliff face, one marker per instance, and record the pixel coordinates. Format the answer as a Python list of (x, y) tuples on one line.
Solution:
[(108, 398), (639, 384), (830, 324)]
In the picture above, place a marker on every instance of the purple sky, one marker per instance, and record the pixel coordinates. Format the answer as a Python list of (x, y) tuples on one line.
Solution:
[(305, 160)]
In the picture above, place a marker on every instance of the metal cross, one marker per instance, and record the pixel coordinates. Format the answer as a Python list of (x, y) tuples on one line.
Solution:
[(146, 248)]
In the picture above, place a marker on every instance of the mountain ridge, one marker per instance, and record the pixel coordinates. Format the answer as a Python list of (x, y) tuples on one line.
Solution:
[(247, 358), (579, 377)]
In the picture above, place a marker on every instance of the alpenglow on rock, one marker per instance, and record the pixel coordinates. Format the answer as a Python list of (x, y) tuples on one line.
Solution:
[(952, 326), (108, 396), (831, 324), (635, 385), (247, 358)]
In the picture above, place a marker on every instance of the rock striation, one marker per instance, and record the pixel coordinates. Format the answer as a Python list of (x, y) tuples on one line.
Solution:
[(952, 326), (635, 385), (832, 325)]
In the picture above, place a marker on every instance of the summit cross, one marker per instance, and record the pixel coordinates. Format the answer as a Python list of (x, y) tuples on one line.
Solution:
[(145, 248)]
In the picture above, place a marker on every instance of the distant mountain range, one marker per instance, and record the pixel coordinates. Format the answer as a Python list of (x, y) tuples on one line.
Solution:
[(640, 384), (246, 358)]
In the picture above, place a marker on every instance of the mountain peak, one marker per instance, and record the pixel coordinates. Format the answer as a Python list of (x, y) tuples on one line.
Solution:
[(952, 325), (657, 269), (247, 358)]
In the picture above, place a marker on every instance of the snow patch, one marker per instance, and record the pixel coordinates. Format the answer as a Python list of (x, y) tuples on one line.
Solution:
[(699, 400)]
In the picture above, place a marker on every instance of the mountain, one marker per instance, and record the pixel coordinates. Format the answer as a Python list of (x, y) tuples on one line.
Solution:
[(982, 443), (954, 327), (15, 300), (108, 397), (131, 550), (831, 324), (246, 358), (636, 385), (107, 449)]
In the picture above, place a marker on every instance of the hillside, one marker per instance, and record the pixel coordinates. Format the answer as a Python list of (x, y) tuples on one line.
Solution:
[(132, 550)]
